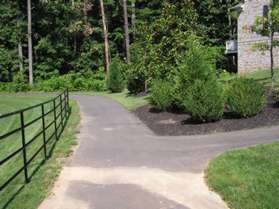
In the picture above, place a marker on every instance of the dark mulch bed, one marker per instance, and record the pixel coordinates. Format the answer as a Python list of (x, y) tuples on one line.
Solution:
[(175, 123)]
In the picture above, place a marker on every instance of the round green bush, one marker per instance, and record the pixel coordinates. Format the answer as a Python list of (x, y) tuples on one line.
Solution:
[(245, 97), (204, 100), (115, 82), (161, 96)]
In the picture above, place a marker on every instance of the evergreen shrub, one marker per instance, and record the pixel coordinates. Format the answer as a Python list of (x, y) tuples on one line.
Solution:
[(161, 96), (204, 100), (245, 97)]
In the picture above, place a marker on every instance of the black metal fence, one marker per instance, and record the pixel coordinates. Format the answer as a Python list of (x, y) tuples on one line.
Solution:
[(52, 117)]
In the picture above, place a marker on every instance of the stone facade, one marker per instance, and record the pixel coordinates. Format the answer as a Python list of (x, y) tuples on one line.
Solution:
[(250, 59)]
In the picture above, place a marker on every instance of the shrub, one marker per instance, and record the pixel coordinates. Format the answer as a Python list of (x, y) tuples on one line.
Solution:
[(204, 100), (161, 96), (74, 82), (197, 64), (115, 81), (19, 84), (245, 97)]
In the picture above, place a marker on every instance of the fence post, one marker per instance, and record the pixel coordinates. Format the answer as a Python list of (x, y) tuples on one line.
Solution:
[(65, 107), (68, 104), (55, 122), (61, 114), (24, 146), (44, 131)]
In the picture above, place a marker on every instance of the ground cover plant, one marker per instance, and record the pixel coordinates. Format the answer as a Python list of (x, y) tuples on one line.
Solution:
[(32, 194), (247, 178)]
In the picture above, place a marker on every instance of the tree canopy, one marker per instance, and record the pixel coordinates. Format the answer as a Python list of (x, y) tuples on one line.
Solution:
[(68, 34)]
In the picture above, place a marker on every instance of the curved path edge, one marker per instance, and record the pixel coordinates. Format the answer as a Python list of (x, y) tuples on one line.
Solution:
[(121, 164)]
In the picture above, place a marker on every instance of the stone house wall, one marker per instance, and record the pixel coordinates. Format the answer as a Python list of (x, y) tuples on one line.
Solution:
[(250, 59)]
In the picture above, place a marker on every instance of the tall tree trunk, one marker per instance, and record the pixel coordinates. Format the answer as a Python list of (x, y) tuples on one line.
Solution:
[(126, 28), (19, 47), (84, 10), (30, 47), (134, 18), (106, 41), (20, 56), (272, 58), (271, 40)]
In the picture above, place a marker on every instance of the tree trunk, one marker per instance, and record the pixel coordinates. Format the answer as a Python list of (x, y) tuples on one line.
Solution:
[(272, 58), (30, 49), (126, 28), (20, 56), (271, 37), (84, 10), (134, 18), (106, 41), (19, 47)]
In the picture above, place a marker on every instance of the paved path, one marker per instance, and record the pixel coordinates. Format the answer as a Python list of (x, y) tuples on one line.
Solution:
[(121, 164)]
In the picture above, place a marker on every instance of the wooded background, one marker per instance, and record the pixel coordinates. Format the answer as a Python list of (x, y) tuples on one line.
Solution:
[(68, 35)]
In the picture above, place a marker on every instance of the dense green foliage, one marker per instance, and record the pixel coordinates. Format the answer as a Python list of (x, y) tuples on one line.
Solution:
[(213, 15), (68, 37), (18, 85), (162, 93), (136, 72), (72, 81), (245, 97), (197, 64), (115, 82), (204, 101), (195, 88), (198, 91), (163, 42)]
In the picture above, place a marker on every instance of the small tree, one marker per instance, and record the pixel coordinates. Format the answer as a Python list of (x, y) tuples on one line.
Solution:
[(267, 26), (115, 82), (30, 45)]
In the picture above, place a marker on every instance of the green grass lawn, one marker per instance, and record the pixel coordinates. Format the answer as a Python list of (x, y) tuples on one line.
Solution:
[(262, 76), (30, 195), (130, 102), (247, 178)]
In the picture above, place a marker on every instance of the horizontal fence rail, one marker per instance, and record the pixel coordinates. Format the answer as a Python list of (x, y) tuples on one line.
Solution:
[(52, 118)]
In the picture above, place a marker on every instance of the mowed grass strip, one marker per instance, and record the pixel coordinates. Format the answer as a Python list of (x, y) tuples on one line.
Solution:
[(128, 101), (247, 178), (17, 194)]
